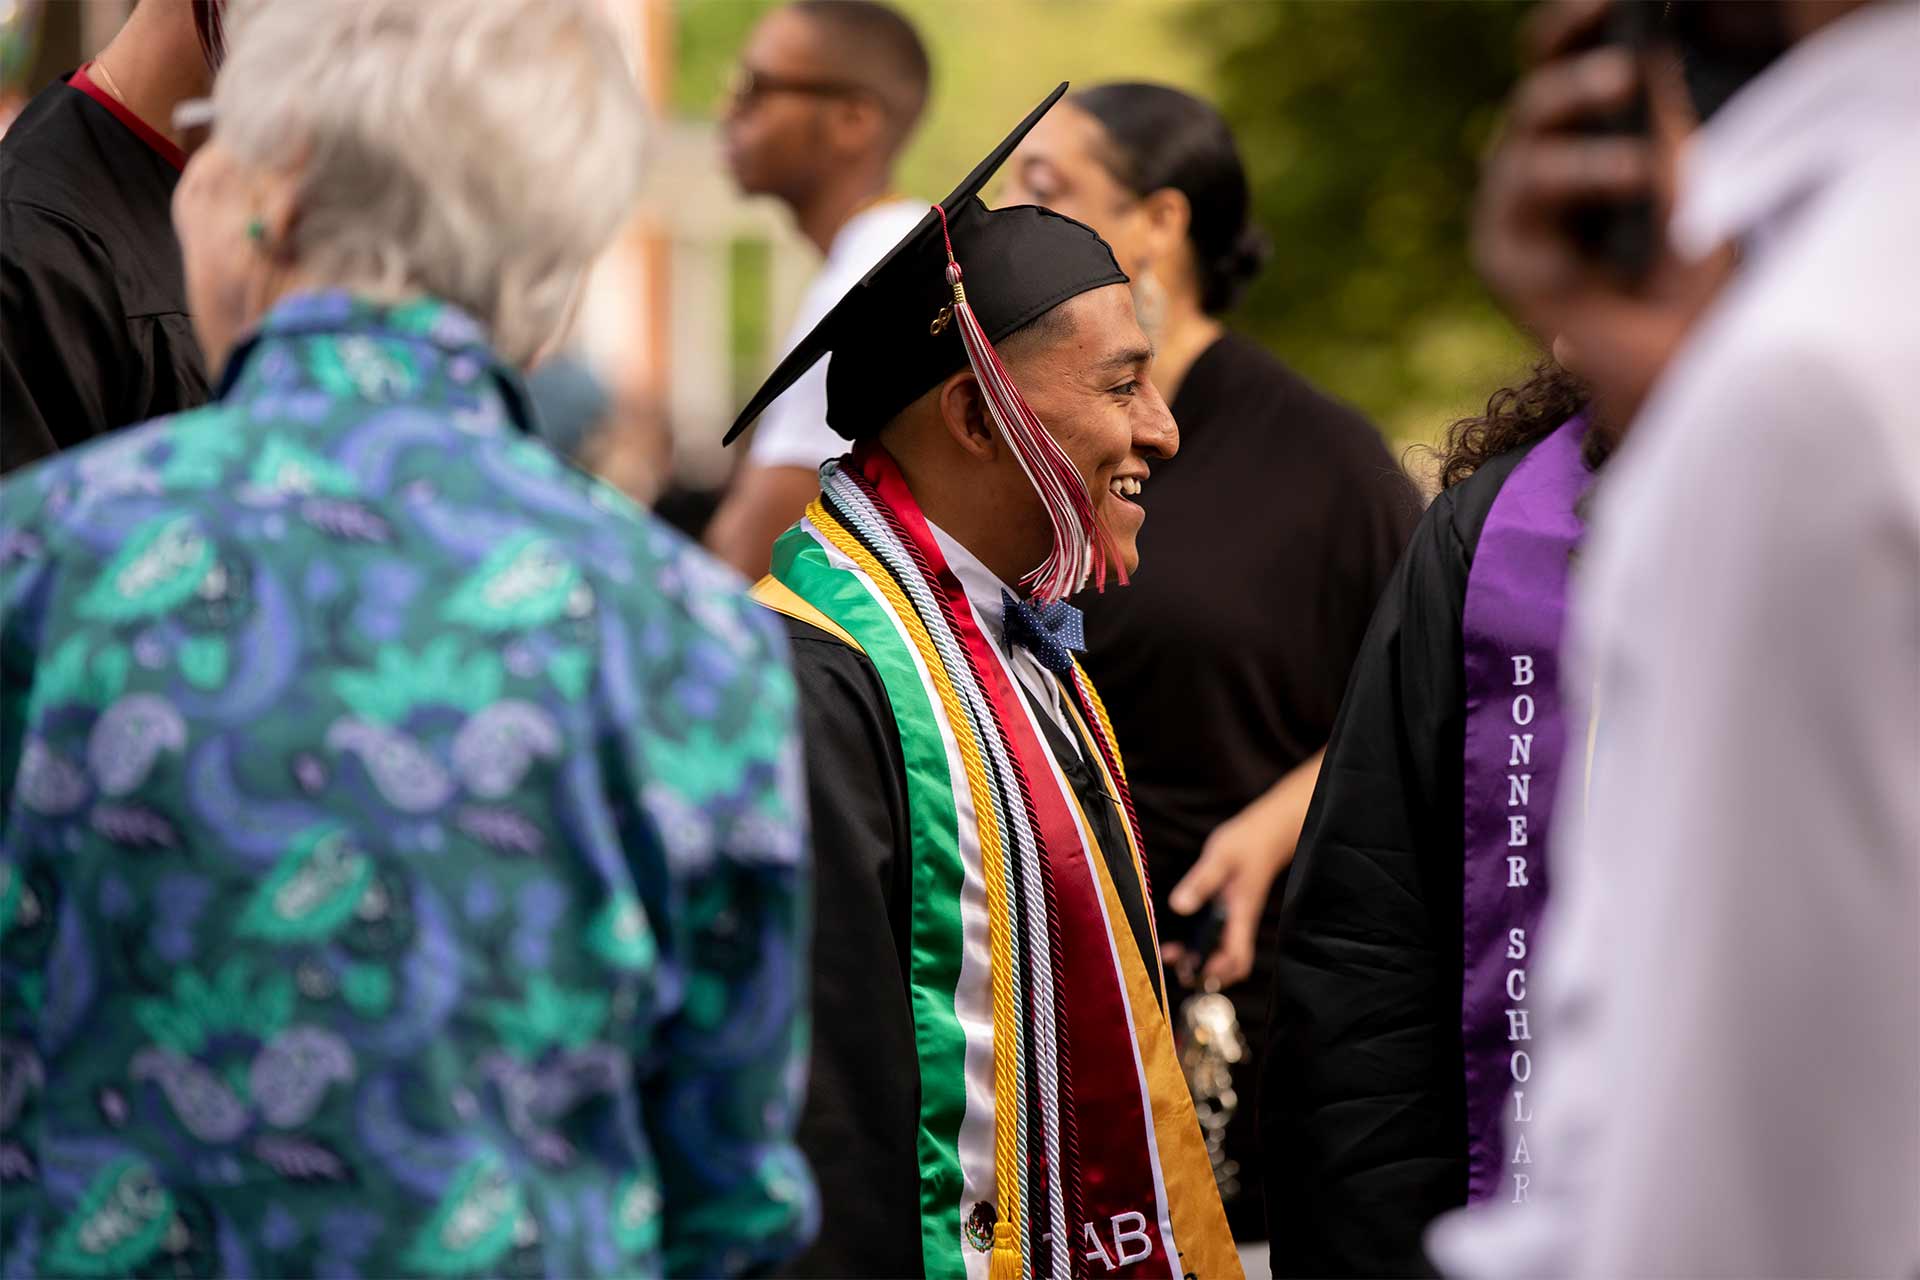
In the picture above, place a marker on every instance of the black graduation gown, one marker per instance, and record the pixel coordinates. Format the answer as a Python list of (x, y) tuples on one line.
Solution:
[(94, 331), (1362, 1090), (860, 1122), (1268, 540)]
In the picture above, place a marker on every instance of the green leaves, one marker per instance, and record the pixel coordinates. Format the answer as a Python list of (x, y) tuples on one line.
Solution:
[(122, 1220), (199, 1009), (1362, 126), (621, 935), (706, 1000), (473, 1226), (367, 989), (284, 467), (13, 887), (159, 569), (201, 445), (569, 669), (636, 1216), (68, 677), (362, 368), (203, 661), (526, 583), (313, 889), (547, 1017), (713, 761), (439, 675)]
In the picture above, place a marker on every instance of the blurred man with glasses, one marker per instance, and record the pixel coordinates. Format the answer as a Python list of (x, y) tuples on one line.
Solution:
[(825, 97)]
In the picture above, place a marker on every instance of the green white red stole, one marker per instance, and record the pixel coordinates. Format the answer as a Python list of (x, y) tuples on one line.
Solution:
[(1056, 1133)]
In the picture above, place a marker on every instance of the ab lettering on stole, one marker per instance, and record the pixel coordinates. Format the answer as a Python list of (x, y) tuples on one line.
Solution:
[(1520, 801), (1132, 1241)]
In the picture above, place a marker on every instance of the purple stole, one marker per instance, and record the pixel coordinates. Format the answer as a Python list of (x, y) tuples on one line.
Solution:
[(1515, 740)]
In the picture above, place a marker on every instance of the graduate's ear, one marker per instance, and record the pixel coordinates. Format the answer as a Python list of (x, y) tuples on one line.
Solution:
[(962, 406)]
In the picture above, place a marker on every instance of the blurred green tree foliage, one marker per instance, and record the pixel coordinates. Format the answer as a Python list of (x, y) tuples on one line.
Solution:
[(1362, 124)]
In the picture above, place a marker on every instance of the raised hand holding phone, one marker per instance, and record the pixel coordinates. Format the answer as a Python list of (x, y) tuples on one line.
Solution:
[(1570, 224), (1623, 234)]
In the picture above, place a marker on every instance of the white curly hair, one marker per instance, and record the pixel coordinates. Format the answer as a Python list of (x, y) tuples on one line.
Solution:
[(481, 151)]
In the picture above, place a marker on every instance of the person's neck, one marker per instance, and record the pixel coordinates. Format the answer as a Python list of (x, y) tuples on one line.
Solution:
[(1185, 332), (943, 486), (838, 201), (155, 64)]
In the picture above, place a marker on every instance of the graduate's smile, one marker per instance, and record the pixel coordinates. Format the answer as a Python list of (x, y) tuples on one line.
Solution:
[(1090, 384), (1124, 491)]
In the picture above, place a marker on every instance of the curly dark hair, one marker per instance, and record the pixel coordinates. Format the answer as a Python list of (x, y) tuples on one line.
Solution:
[(1518, 416)]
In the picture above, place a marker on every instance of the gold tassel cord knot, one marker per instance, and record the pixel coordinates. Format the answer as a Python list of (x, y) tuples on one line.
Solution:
[(1004, 1262)]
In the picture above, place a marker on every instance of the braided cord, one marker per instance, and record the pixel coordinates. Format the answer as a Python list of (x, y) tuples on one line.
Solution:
[(1006, 1027), (1110, 751), (876, 521)]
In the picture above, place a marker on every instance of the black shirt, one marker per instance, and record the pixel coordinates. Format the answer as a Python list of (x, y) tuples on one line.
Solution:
[(94, 331), (1267, 541), (1363, 1086)]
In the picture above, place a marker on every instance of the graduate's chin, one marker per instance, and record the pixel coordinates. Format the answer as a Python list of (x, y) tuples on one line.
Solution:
[(1123, 517), (1120, 522)]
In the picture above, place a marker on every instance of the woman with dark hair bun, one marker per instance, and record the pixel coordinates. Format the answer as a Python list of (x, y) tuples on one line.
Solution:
[(1272, 534), (1159, 139)]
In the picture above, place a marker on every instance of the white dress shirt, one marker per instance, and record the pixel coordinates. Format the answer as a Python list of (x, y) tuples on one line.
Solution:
[(793, 432), (983, 590), (1728, 1017)]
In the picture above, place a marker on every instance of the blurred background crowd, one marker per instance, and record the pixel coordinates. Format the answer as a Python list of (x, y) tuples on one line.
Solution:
[(1364, 118), (1315, 204)]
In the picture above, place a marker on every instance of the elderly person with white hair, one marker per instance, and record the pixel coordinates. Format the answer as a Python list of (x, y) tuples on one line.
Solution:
[(401, 838)]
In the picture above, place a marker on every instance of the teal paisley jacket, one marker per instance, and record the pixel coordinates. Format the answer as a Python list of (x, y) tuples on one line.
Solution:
[(403, 845)]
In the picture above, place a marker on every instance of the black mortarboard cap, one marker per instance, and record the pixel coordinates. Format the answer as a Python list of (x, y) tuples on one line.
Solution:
[(1020, 263)]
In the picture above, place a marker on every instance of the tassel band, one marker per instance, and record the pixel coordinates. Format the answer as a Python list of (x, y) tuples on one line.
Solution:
[(1082, 546)]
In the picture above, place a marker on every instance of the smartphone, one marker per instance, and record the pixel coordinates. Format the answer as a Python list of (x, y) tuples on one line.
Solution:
[(1722, 47), (1622, 234)]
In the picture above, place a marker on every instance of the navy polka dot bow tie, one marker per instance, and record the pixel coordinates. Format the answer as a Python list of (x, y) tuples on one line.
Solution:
[(1052, 633)]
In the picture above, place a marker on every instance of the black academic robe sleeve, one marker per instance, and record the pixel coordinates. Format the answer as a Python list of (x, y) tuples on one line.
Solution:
[(1362, 1103), (65, 355), (861, 1118)]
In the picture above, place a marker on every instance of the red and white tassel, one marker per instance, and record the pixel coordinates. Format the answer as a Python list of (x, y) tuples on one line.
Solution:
[(1082, 546)]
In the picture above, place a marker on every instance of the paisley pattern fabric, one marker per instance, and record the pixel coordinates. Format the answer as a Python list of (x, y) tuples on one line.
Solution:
[(402, 845)]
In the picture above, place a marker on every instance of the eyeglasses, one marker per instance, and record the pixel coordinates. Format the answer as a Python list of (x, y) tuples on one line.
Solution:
[(748, 87)]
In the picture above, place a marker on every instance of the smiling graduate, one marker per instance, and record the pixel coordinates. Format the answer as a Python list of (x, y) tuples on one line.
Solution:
[(995, 1090)]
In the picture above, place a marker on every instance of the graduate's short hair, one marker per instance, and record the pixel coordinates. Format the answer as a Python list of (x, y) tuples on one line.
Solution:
[(481, 151)]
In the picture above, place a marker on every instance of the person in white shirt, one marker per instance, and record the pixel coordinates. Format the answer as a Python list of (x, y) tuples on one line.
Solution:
[(827, 94), (1727, 1013)]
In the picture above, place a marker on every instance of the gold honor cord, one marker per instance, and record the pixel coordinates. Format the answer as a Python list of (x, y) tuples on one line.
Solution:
[(1005, 1263)]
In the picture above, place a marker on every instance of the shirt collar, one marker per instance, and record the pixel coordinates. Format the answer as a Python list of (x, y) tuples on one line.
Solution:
[(339, 311), (847, 239), (982, 585), (1828, 104), (156, 141), (442, 328)]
